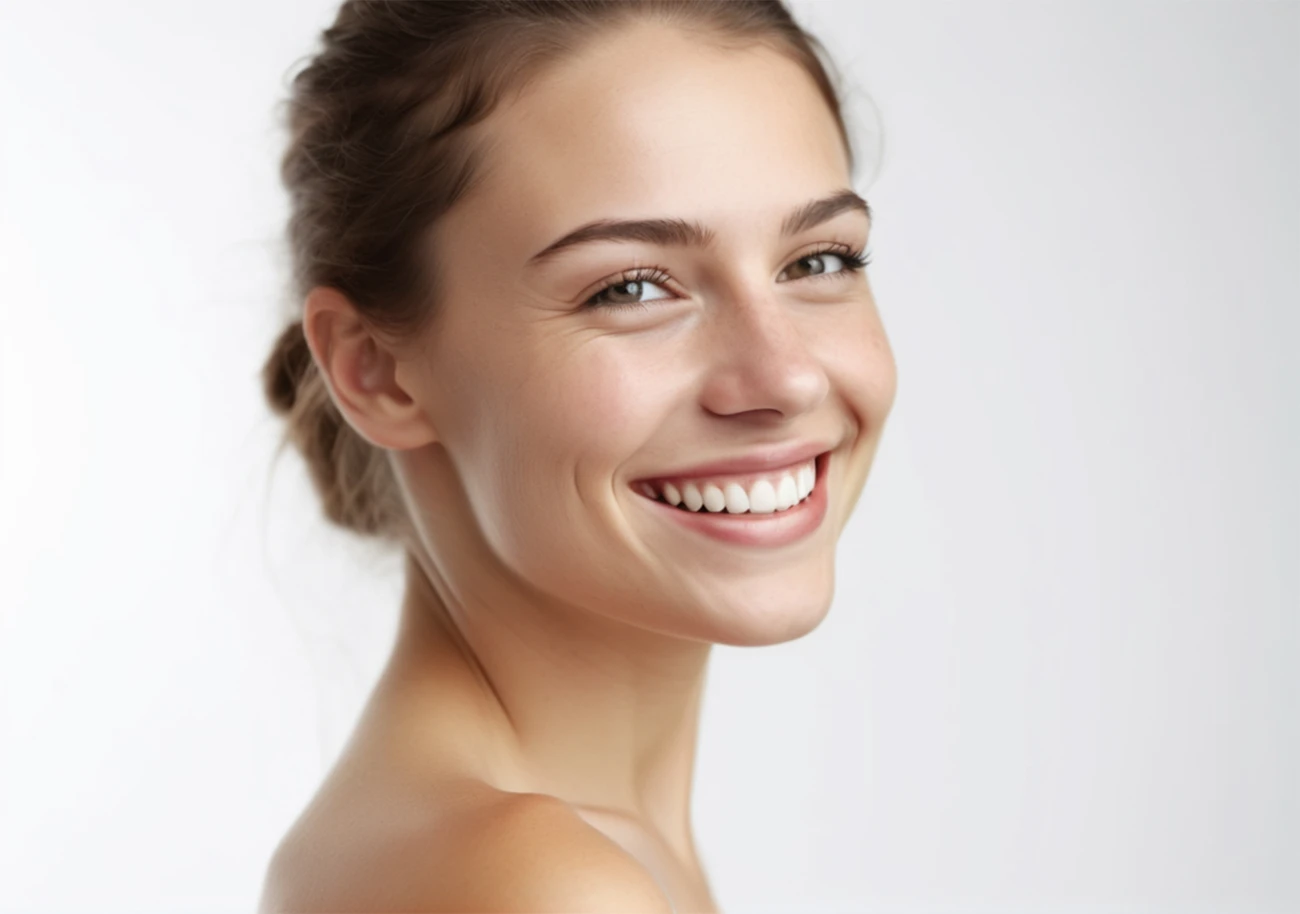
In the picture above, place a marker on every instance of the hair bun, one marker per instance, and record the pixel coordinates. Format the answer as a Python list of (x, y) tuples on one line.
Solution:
[(283, 370)]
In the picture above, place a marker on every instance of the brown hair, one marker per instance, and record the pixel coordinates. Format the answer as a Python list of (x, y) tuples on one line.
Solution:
[(379, 150)]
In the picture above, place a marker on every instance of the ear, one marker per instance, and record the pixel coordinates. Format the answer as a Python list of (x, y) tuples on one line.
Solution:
[(361, 375)]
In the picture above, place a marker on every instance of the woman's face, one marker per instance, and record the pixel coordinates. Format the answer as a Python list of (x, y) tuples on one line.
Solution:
[(551, 408)]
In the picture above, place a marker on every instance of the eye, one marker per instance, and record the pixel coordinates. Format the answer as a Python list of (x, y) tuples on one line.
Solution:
[(626, 292), (851, 261)]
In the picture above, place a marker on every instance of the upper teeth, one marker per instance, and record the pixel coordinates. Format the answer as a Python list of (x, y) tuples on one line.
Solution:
[(761, 494)]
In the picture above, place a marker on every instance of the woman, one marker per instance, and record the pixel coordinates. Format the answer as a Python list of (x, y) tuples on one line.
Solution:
[(586, 333)]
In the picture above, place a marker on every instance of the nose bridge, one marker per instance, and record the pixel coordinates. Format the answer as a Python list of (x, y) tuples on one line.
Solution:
[(760, 358)]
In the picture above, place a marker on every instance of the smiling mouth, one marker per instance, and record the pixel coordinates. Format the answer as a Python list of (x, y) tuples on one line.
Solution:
[(772, 492)]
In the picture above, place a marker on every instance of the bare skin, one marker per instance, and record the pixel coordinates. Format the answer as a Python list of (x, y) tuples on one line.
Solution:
[(542, 699)]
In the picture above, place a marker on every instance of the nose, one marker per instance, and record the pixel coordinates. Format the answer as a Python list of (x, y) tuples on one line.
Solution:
[(761, 360)]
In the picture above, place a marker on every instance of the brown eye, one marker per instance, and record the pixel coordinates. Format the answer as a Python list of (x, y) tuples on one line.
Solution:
[(822, 263), (623, 293)]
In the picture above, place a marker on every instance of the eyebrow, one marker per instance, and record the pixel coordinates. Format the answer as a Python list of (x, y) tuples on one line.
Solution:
[(680, 232)]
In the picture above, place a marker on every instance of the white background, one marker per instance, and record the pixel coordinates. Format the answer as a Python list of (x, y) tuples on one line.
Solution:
[(1060, 671)]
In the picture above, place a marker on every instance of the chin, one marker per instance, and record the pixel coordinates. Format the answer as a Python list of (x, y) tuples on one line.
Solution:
[(774, 614)]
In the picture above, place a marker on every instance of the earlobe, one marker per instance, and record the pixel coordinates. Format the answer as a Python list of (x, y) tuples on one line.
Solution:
[(361, 375)]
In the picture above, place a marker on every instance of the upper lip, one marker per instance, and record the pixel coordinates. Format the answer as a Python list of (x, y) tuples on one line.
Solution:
[(756, 460)]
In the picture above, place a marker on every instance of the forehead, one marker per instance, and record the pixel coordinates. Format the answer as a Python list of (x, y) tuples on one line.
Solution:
[(653, 119)]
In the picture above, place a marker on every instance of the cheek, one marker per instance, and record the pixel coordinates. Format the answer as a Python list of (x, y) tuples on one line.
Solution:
[(596, 396), (548, 429), (593, 403), (861, 364)]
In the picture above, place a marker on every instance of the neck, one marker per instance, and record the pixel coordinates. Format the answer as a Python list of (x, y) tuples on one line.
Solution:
[(555, 700)]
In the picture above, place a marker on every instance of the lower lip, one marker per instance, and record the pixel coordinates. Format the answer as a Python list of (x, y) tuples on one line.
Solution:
[(779, 528)]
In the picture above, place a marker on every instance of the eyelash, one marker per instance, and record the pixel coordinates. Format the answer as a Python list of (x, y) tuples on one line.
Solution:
[(854, 261)]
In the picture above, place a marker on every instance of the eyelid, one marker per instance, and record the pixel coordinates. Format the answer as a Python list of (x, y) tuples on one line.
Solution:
[(828, 247), (654, 273)]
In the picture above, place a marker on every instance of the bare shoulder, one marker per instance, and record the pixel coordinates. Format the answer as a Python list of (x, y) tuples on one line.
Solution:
[(484, 851), (535, 853)]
